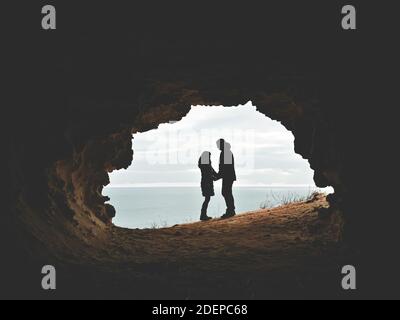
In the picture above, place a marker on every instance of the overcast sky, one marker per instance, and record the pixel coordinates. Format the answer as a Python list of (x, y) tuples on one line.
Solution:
[(263, 150)]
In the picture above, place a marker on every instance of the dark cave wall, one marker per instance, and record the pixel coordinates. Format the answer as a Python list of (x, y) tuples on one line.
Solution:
[(75, 181), (82, 177), (82, 90)]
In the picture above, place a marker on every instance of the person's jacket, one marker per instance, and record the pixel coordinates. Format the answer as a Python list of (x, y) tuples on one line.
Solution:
[(227, 168), (208, 175)]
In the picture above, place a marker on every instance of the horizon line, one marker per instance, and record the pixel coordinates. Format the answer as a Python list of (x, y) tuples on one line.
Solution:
[(198, 186)]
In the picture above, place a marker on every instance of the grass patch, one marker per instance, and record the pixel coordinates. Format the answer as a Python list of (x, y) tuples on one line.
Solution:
[(274, 199)]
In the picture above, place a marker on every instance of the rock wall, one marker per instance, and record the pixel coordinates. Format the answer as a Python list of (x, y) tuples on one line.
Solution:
[(72, 184), (80, 93)]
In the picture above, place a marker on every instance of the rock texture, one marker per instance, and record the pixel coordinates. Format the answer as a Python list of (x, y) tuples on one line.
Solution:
[(79, 93), (281, 252)]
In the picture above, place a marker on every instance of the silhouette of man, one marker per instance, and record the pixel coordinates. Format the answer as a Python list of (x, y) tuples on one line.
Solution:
[(228, 176)]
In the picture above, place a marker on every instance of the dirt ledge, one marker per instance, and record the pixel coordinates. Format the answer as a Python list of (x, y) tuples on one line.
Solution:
[(287, 251)]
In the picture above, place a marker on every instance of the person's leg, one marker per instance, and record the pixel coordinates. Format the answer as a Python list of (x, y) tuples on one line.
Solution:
[(205, 205), (228, 196), (231, 200), (204, 209), (224, 193)]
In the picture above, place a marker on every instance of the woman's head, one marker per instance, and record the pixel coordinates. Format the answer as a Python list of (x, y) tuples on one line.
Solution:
[(205, 158)]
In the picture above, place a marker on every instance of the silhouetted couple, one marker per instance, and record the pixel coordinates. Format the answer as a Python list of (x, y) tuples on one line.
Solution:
[(226, 173)]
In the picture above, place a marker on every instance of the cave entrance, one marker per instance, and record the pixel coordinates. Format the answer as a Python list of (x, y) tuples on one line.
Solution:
[(162, 186)]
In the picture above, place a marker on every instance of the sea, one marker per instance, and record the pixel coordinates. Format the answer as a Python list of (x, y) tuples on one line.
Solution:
[(161, 207)]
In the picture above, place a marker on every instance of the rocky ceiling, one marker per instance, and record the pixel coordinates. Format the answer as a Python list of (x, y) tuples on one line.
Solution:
[(79, 92)]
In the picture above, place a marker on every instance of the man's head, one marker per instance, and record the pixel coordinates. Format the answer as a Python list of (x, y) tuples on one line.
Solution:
[(225, 148), (220, 144), (223, 145)]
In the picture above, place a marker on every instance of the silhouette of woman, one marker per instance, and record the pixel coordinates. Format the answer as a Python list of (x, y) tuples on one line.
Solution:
[(208, 175)]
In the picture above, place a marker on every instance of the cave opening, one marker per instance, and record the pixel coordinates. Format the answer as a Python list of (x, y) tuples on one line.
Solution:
[(161, 188)]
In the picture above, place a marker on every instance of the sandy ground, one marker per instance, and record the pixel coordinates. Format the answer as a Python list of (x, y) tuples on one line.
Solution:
[(285, 252)]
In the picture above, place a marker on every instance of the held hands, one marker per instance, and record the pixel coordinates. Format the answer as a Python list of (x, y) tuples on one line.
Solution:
[(215, 175)]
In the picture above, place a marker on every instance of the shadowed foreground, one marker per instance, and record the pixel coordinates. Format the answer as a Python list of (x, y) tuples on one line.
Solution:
[(282, 252)]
